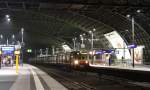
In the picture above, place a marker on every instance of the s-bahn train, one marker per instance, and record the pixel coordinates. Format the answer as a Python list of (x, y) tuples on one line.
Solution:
[(75, 59)]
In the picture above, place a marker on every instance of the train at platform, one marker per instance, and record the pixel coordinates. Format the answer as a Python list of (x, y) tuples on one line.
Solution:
[(74, 59)]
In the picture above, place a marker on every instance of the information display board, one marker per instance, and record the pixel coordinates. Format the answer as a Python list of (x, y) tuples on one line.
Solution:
[(7, 50)]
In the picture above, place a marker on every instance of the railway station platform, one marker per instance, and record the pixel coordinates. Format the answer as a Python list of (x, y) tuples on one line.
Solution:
[(28, 78), (125, 67), (139, 73)]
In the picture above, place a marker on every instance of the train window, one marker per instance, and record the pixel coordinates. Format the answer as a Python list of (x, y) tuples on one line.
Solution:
[(98, 57), (83, 56)]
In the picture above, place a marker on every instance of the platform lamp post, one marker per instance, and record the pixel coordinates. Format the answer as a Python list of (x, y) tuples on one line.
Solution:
[(82, 41), (0, 58), (22, 42), (92, 36), (22, 32), (133, 39), (13, 37), (1, 37), (133, 34), (74, 43)]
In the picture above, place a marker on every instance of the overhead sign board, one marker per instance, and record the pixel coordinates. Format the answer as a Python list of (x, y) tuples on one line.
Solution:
[(8, 48)]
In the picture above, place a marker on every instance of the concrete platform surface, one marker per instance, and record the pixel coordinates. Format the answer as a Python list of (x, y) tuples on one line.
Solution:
[(28, 78), (136, 68)]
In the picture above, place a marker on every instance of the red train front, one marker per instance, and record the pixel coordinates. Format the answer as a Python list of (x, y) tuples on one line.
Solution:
[(79, 60)]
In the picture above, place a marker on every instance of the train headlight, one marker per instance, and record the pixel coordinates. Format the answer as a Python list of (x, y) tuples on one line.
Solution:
[(86, 62), (76, 62)]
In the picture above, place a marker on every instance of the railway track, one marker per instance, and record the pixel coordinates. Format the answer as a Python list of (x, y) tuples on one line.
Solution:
[(68, 83), (72, 82)]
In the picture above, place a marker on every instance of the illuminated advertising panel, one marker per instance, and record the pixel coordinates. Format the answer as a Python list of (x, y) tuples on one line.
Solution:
[(138, 55), (7, 50), (117, 42)]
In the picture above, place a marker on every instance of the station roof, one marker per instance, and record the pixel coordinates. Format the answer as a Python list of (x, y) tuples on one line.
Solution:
[(53, 22)]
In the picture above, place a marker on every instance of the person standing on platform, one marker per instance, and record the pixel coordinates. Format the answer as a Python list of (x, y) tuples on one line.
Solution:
[(4, 60), (12, 62), (0, 62)]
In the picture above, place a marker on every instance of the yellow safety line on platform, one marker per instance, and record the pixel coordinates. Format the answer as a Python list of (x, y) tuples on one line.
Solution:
[(17, 60)]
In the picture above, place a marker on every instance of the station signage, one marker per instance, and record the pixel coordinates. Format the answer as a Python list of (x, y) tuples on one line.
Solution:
[(7, 48), (132, 46)]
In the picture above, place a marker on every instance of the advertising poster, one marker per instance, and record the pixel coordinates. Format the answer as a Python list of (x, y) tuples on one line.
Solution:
[(138, 55)]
